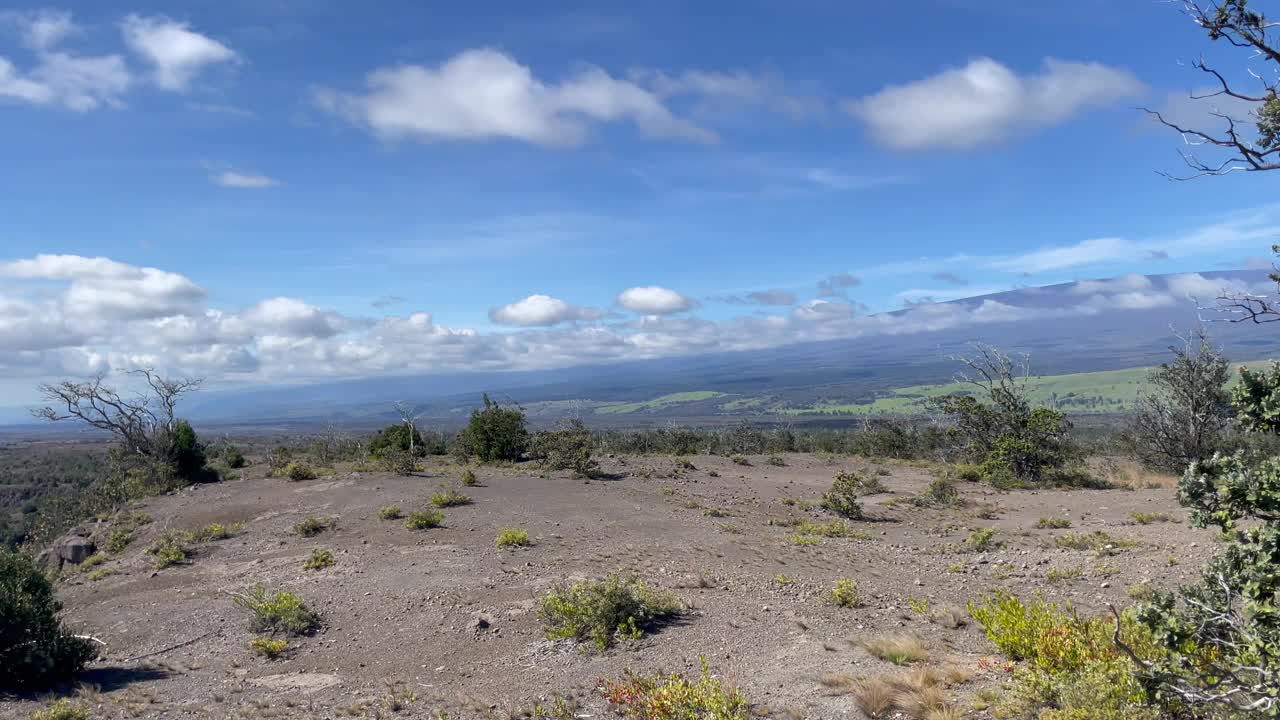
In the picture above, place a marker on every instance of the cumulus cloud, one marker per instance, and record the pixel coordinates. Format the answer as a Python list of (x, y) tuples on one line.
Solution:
[(176, 53), (986, 102), (653, 300), (59, 77), (102, 287), (834, 285), (292, 318), (484, 94), (540, 311), (244, 180)]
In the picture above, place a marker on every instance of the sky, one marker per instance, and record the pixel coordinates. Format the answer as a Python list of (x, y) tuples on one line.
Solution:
[(275, 191)]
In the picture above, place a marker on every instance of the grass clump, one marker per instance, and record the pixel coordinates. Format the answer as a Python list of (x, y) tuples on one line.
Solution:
[(320, 559), (1052, 523), (601, 611), (512, 538), (390, 512), (269, 648), (1070, 663), (449, 497), (673, 697), (842, 498), (469, 478), (897, 649), (845, 594), (297, 471), (1147, 518), (123, 528), (803, 540), (171, 548), (1098, 541), (1060, 574), (982, 540), (101, 573), (776, 461), (424, 520), (92, 562), (62, 709), (310, 526), (740, 460), (278, 613)]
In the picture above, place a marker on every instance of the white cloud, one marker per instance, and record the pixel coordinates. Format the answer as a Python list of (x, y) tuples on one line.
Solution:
[(1085, 252), (540, 311), (176, 53), (1195, 286), (43, 29), (233, 179), (484, 94), (1133, 282), (100, 287), (76, 82), (986, 102), (834, 285), (653, 300), (292, 318)]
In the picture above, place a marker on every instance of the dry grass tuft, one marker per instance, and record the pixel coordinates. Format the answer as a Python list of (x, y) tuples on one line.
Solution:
[(875, 697), (950, 617), (897, 649)]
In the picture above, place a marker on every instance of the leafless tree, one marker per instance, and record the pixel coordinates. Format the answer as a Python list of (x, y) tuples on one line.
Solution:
[(1250, 143), (139, 421), (410, 419), (1181, 417)]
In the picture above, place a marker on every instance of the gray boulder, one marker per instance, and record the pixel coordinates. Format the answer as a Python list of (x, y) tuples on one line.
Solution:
[(76, 549)]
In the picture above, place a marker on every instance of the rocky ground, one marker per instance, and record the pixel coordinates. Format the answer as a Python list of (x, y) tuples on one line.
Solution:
[(418, 623)]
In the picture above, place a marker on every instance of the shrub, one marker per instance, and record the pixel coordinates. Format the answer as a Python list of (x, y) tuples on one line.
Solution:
[(842, 498), (1183, 414), (672, 697), (1146, 518), (601, 611), (1071, 662), (860, 485), (390, 512), (513, 538), (1098, 541), (277, 460), (967, 472), (941, 492), (740, 460), (845, 594), (469, 478), (270, 648), (1053, 523), (982, 540), (449, 497), (567, 448), (494, 432), (186, 452), (35, 650), (101, 573), (297, 471), (776, 461), (400, 438), (232, 456), (310, 526), (320, 559), (277, 613), (424, 520), (169, 549), (62, 709), (395, 460)]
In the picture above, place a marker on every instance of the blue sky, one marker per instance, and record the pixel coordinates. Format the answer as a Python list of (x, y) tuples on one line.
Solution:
[(282, 190)]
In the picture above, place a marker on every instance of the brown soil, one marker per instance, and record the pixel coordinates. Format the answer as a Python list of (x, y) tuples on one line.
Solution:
[(400, 607)]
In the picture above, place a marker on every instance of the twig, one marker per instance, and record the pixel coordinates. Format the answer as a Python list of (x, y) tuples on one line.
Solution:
[(171, 647)]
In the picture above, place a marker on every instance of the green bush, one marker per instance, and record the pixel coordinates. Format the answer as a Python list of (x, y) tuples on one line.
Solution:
[(186, 452), (320, 559), (845, 594), (390, 512), (298, 471), (494, 433), (232, 456), (601, 611), (842, 498), (35, 650), (449, 497), (62, 709), (270, 648), (982, 540), (672, 697), (424, 520), (513, 538), (395, 460), (277, 613), (171, 548), (941, 492), (310, 526), (398, 437), (567, 448), (469, 478)]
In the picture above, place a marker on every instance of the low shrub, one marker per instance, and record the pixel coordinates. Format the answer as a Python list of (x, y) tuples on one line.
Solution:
[(941, 492), (390, 512), (270, 648), (842, 498), (310, 526), (776, 461), (567, 448), (602, 611), (395, 460), (1147, 518), (424, 520), (740, 460), (35, 649), (672, 697), (62, 709), (170, 549), (449, 497), (845, 594), (513, 538), (281, 612), (1098, 541), (982, 540), (967, 472), (469, 478), (1053, 523), (297, 471), (320, 559)]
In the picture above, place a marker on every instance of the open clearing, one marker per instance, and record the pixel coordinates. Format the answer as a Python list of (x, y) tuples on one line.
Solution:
[(448, 621)]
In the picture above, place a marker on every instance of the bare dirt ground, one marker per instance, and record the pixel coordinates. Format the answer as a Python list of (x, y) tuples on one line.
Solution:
[(400, 607)]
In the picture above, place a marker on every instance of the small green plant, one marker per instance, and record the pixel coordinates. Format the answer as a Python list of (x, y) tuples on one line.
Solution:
[(449, 497), (1141, 592), (967, 472), (776, 461), (170, 549), (469, 478), (982, 540), (729, 528), (101, 573), (424, 520), (513, 538), (214, 532), (269, 648), (92, 561), (1053, 523), (842, 498), (941, 492), (310, 526), (1060, 574), (845, 594), (718, 513), (282, 613), (601, 611), (803, 540), (320, 559), (1147, 518), (62, 709), (666, 491), (297, 471), (123, 528), (673, 697), (390, 512), (1098, 541), (783, 579), (35, 649), (919, 606)]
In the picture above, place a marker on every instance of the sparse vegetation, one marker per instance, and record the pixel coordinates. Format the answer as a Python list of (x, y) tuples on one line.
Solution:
[(1053, 523), (602, 611), (269, 648), (1147, 518), (424, 520), (513, 538), (568, 447), (842, 498), (897, 649), (278, 613), (169, 549), (62, 709), (311, 525), (740, 460), (449, 497), (941, 492), (1060, 574), (1097, 541), (298, 471), (319, 559), (469, 478), (35, 649), (845, 594), (982, 540), (672, 697), (390, 512)]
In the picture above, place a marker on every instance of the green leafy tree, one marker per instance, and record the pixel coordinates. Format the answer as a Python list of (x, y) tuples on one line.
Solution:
[(35, 650), (495, 432), (397, 437), (186, 452)]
